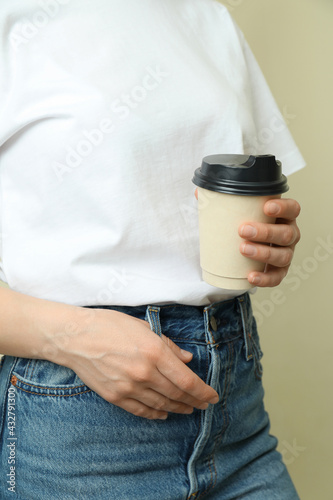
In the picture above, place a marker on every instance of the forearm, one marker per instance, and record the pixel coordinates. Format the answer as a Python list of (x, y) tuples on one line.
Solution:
[(28, 325), (116, 355)]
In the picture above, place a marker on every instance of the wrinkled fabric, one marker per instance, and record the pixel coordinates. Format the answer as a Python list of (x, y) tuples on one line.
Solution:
[(106, 109), (69, 443)]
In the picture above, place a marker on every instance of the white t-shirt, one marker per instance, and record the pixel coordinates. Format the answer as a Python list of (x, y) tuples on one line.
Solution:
[(107, 108)]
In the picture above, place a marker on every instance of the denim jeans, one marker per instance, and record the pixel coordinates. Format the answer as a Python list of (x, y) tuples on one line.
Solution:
[(66, 442)]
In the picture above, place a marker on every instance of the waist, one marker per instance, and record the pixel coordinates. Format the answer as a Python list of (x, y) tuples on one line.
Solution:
[(222, 321)]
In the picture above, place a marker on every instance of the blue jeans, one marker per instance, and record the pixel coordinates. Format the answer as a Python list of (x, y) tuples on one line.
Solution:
[(66, 442)]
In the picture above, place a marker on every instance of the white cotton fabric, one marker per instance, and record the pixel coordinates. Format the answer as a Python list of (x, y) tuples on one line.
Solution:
[(107, 107)]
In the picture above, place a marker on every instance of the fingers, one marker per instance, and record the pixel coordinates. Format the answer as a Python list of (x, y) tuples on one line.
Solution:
[(276, 256), (175, 394), (187, 384), (153, 396), (154, 389), (162, 373), (184, 356), (277, 234), (141, 410), (173, 379), (284, 233), (157, 401), (128, 365), (159, 409), (273, 277), (284, 208), (201, 392), (272, 244)]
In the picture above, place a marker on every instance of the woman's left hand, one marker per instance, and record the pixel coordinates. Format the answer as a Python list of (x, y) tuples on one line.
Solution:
[(273, 244)]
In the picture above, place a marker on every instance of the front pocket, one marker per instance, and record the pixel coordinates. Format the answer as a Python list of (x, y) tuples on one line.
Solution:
[(44, 378)]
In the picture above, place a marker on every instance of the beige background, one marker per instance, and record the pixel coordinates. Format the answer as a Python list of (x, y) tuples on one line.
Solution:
[(293, 43)]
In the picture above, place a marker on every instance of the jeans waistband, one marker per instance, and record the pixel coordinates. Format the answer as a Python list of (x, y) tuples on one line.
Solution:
[(214, 323)]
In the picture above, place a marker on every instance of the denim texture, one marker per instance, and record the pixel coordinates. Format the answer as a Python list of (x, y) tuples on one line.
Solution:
[(72, 444)]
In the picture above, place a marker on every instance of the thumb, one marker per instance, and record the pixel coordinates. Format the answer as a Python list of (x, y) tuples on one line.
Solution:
[(184, 356)]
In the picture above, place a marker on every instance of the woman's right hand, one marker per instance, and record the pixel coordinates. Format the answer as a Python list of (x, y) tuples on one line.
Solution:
[(121, 359)]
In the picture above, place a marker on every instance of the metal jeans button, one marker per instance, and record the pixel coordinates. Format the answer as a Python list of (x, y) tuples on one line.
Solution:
[(213, 323)]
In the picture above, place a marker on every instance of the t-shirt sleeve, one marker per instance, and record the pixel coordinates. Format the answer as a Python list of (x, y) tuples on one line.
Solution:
[(272, 133)]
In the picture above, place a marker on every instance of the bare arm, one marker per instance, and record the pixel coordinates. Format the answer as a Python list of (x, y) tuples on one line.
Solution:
[(116, 355), (27, 324)]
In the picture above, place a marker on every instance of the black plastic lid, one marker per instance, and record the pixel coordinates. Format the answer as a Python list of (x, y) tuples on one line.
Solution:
[(242, 175)]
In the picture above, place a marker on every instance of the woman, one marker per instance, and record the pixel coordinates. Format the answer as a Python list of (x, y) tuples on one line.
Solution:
[(129, 377)]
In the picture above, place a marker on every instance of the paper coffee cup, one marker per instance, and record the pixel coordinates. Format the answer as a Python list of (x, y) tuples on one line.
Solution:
[(232, 189)]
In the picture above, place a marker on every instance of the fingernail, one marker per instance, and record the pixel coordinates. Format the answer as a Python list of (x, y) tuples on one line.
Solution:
[(186, 354), (214, 400), (255, 280), (273, 208), (248, 231), (249, 250), (164, 417)]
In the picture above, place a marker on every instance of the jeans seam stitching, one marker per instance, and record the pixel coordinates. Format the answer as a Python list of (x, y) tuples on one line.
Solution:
[(199, 427), (53, 395), (246, 334), (224, 398), (188, 340), (33, 368), (47, 388), (26, 372)]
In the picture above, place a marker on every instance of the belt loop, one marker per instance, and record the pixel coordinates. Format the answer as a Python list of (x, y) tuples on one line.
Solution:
[(244, 315), (153, 317), (210, 325)]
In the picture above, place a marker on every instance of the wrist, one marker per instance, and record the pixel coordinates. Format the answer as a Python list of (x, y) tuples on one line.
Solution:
[(29, 326), (61, 342)]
